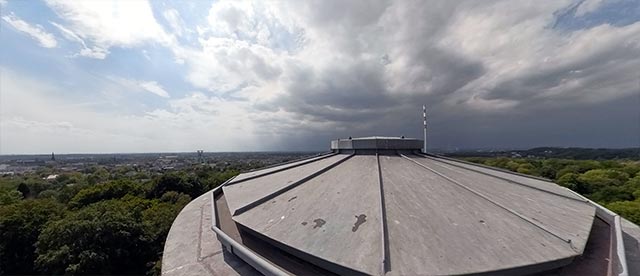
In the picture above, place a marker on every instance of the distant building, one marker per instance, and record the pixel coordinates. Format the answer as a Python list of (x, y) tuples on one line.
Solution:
[(200, 156), (377, 206), (30, 162)]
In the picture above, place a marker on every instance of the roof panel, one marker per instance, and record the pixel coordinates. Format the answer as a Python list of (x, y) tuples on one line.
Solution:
[(568, 218), (437, 227), (257, 173), (544, 185), (246, 192), (334, 216)]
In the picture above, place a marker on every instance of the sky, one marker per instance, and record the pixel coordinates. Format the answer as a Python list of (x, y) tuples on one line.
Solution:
[(167, 76)]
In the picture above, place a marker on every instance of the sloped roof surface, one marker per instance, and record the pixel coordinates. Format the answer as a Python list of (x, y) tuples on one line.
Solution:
[(410, 214), (319, 217), (240, 194), (436, 227)]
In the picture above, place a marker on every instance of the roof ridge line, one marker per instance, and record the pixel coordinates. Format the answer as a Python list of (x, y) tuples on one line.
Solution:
[(522, 217), (386, 264), (303, 161), (288, 187), (505, 179)]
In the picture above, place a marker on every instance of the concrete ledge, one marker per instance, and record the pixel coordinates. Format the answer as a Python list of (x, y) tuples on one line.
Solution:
[(192, 247)]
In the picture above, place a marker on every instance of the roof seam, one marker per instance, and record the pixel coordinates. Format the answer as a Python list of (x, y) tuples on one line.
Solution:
[(385, 265), (303, 161), (522, 217), (506, 179), (291, 161), (288, 187)]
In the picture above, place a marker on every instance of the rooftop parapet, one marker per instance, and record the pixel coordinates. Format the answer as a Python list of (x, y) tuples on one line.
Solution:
[(376, 143)]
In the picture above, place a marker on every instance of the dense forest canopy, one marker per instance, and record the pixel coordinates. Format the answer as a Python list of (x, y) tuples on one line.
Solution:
[(555, 152), (614, 184), (114, 220), (95, 221)]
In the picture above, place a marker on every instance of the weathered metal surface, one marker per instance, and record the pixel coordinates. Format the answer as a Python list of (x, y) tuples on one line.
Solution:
[(334, 216), (193, 249), (544, 185), (243, 193), (443, 217), (257, 173), (224, 220), (436, 227), (287, 187), (567, 218)]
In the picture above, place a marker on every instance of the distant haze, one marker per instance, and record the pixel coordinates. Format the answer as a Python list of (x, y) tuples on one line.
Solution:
[(138, 76)]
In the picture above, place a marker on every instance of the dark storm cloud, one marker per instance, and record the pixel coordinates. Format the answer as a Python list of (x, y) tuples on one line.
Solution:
[(351, 93), (608, 71), (612, 123), (293, 75), (576, 87)]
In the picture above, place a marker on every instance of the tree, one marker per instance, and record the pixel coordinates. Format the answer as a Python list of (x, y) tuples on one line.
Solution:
[(549, 169), (20, 226), (103, 238), (632, 168), (53, 194), (600, 178), (105, 191), (69, 191), (24, 190), (157, 221), (512, 165), (571, 181), (628, 209), (175, 197), (527, 168), (10, 197), (612, 193), (568, 169), (97, 175), (177, 182)]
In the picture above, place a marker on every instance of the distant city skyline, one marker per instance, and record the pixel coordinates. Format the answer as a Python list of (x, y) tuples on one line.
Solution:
[(167, 76)]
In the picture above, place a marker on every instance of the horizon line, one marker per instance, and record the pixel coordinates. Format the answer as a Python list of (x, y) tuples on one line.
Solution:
[(311, 151)]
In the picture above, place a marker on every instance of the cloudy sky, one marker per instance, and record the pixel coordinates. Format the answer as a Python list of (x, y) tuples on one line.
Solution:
[(138, 76)]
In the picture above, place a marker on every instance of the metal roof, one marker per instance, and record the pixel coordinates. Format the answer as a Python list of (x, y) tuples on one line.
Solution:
[(401, 212)]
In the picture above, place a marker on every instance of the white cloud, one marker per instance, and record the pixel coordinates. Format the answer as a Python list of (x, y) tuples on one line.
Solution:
[(235, 19), (93, 52), (525, 60), (68, 34), (32, 121), (145, 54), (137, 85), (104, 24), (175, 22), (458, 56), (306, 69), (243, 49), (588, 6), (154, 88), (36, 32), (490, 105), (225, 64)]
